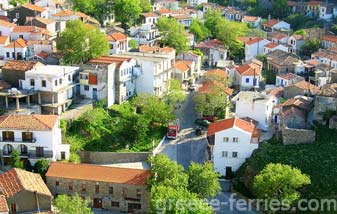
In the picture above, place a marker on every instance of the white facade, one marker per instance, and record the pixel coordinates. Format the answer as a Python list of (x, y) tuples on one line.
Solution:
[(6, 30), (48, 141), (50, 5), (192, 57), (295, 43), (248, 82), (267, 49), (255, 105), (281, 25), (147, 34), (254, 49), (194, 3), (10, 52), (283, 81)]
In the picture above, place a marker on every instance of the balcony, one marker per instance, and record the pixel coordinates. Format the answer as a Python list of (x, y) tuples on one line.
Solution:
[(27, 155), (18, 140)]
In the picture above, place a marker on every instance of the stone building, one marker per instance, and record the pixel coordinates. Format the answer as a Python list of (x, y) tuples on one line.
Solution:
[(300, 88), (325, 101), (111, 188)]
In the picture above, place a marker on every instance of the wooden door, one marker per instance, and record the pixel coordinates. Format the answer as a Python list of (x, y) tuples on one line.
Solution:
[(97, 203)]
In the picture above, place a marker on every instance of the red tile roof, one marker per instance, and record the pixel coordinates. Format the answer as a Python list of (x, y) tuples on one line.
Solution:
[(298, 102), (150, 14), (249, 69), (277, 92), (4, 39), (306, 86), (250, 40), (330, 38), (250, 18), (30, 29), (93, 172), (17, 180), (116, 36), (154, 49), (221, 125), (313, 3), (7, 24), (3, 204), (163, 11), (210, 44), (292, 3), (271, 45), (107, 60), (19, 43), (35, 122), (19, 65), (34, 7), (216, 72), (288, 76), (271, 23), (44, 21), (63, 13), (183, 65), (212, 87)]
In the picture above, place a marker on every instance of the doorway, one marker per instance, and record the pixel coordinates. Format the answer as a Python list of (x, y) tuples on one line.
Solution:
[(229, 172), (97, 203), (94, 93)]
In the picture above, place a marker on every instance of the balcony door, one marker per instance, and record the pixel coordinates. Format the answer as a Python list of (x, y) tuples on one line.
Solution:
[(39, 152), (27, 136), (7, 136)]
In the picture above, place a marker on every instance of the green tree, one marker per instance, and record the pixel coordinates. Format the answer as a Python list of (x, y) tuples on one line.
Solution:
[(41, 167), (170, 200), (175, 93), (199, 30), (154, 108), (16, 161), (133, 44), (173, 34), (18, 2), (280, 8), (297, 21), (212, 17), (85, 6), (281, 182), (310, 46), (200, 53), (334, 29), (145, 5), (80, 42), (127, 11), (300, 32), (71, 205), (203, 180), (166, 172)]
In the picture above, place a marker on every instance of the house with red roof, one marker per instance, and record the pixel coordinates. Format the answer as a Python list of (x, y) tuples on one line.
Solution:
[(118, 42), (295, 42), (184, 71), (230, 142), (103, 187), (35, 136), (6, 28), (276, 25), (274, 46), (248, 75), (24, 192), (254, 46), (286, 79), (329, 41), (16, 50), (21, 12), (300, 88), (192, 57), (253, 21), (214, 50)]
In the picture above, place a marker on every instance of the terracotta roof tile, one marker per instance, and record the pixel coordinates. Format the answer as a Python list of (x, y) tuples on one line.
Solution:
[(288, 76), (116, 36), (292, 3), (4, 39), (19, 43), (28, 122), (7, 24), (150, 14), (250, 18), (63, 13), (271, 45), (110, 60), (221, 125), (329, 90), (298, 102), (18, 65), (330, 38), (271, 23), (44, 21), (101, 173), (154, 49), (217, 72), (3, 204), (313, 3), (211, 87), (17, 180), (249, 69), (29, 29), (210, 44), (306, 86), (34, 7), (163, 11), (183, 65), (277, 92)]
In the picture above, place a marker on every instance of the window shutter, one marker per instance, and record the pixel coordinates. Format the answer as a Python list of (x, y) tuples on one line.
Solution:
[(92, 79), (24, 136)]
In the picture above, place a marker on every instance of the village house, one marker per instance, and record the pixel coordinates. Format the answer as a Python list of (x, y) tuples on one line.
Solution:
[(283, 62), (166, 4), (327, 57), (52, 6), (248, 76), (147, 34), (125, 78), (255, 105), (66, 15), (276, 25), (37, 48), (195, 3), (35, 136), (109, 188), (295, 43), (184, 71), (118, 43), (254, 46), (286, 79), (6, 28), (184, 20), (231, 142), (48, 24), (329, 41), (252, 21), (21, 12), (300, 88), (214, 50), (4, 41), (277, 37), (150, 18), (327, 11), (29, 33), (190, 56), (274, 46), (233, 13), (325, 102), (55, 84), (17, 50), (21, 190)]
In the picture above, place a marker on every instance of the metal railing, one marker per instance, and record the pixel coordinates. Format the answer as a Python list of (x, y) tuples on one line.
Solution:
[(18, 140)]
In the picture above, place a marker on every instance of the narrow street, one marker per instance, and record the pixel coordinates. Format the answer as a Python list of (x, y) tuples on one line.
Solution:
[(187, 147)]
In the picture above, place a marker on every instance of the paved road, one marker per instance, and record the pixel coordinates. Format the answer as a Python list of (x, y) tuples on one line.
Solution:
[(188, 147)]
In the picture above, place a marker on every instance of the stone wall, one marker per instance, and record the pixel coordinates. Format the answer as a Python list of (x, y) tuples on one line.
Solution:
[(298, 136), (323, 104), (333, 122), (113, 157)]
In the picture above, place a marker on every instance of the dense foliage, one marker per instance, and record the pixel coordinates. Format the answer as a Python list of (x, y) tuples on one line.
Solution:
[(71, 205), (199, 30), (127, 11), (175, 191), (317, 160), (15, 160), (80, 42), (310, 46), (41, 167)]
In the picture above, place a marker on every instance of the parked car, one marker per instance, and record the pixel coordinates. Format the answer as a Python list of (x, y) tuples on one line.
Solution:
[(191, 87), (202, 122)]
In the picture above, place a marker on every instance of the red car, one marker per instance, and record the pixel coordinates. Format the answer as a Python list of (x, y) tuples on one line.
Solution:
[(173, 130)]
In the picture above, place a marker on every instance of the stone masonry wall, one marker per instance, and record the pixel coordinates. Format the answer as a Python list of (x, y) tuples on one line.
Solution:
[(113, 157), (298, 136)]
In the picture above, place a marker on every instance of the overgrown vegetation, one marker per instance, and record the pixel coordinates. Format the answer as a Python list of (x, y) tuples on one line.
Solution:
[(318, 160)]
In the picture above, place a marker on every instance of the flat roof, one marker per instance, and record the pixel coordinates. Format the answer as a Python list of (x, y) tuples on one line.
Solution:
[(52, 70)]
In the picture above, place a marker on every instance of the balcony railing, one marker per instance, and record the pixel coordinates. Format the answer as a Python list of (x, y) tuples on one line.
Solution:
[(18, 140), (28, 155)]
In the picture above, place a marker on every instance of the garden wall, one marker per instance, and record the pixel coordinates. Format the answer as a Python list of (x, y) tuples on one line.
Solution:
[(298, 136), (113, 157)]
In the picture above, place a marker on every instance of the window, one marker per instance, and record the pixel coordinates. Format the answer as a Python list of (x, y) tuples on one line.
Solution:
[(114, 204), (17, 15), (23, 149), (44, 83), (70, 187), (225, 139), (86, 88), (55, 82), (139, 192), (21, 36), (124, 191), (39, 151), (13, 55), (234, 154), (235, 139), (111, 190), (247, 80), (57, 183), (83, 187), (32, 82), (224, 154), (133, 206), (7, 136), (97, 188), (60, 81), (7, 54)]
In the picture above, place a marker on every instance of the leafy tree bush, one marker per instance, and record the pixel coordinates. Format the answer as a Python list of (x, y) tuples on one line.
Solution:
[(133, 44), (41, 167), (334, 29), (15, 160), (310, 46), (127, 11), (71, 205), (199, 30)]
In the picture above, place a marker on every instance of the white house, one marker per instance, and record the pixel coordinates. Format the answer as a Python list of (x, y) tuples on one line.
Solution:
[(150, 18), (274, 46), (118, 43), (327, 57), (184, 71), (255, 105), (36, 47), (147, 34), (29, 33), (278, 38), (253, 46), (6, 28), (56, 85), (248, 75), (231, 142), (52, 6), (276, 25), (329, 41), (4, 41), (34, 136), (287, 79), (16, 50), (125, 77), (295, 42), (252, 21), (214, 50), (192, 57), (195, 3)]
